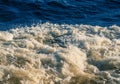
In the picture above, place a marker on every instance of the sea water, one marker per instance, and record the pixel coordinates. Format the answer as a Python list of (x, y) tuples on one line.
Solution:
[(50, 42)]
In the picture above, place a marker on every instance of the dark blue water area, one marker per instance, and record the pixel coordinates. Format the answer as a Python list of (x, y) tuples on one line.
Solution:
[(15, 13)]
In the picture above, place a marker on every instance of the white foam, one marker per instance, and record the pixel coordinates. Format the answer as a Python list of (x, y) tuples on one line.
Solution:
[(6, 36), (65, 54)]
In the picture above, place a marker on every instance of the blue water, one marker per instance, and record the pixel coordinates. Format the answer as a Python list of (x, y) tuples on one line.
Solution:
[(28, 12)]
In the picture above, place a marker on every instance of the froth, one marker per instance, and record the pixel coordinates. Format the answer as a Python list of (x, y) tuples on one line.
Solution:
[(60, 54)]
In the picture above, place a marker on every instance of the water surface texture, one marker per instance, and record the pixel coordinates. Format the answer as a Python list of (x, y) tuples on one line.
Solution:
[(60, 54), (27, 12), (60, 42)]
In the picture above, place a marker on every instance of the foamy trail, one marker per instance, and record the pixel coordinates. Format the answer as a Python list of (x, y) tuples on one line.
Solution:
[(60, 54)]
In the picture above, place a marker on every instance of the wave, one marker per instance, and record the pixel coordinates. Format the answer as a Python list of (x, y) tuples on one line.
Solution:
[(60, 54)]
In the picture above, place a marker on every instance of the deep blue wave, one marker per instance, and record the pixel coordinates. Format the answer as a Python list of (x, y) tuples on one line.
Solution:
[(27, 12)]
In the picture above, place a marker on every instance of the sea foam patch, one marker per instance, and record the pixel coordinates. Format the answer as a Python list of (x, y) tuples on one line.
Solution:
[(60, 54)]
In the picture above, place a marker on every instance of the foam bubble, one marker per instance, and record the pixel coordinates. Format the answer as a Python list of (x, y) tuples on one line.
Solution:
[(64, 54), (5, 36)]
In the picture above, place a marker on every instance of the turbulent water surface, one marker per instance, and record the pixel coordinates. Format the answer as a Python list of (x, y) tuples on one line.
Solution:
[(59, 42), (60, 54)]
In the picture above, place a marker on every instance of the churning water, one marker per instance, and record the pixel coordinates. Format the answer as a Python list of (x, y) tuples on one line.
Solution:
[(59, 42)]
